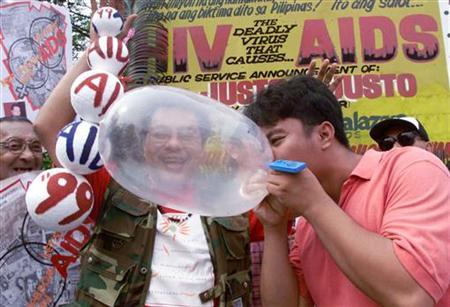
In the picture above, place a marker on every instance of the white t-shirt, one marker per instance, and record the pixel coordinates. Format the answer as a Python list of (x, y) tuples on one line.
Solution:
[(181, 264)]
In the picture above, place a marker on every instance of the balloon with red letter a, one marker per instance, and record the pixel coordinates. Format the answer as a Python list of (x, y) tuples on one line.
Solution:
[(93, 92), (59, 200)]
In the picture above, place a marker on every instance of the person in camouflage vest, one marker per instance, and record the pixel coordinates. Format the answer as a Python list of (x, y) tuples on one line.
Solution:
[(116, 264), (131, 256), (119, 263)]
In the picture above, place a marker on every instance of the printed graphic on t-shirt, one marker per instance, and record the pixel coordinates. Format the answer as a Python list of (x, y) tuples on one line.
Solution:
[(181, 263)]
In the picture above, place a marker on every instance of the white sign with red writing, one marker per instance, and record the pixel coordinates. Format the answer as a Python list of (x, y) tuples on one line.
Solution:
[(35, 51), (37, 267)]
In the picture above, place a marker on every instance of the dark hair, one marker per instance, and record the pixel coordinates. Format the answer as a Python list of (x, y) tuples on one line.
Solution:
[(304, 98), (132, 136), (15, 119), (194, 108)]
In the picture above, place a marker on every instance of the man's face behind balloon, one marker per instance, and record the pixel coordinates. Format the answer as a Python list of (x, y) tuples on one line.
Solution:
[(173, 145)]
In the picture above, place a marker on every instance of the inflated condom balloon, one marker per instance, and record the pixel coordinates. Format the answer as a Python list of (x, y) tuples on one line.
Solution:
[(77, 147), (185, 151), (107, 21), (59, 200), (93, 92), (109, 54)]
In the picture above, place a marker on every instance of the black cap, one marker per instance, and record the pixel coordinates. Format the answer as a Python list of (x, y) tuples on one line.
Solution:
[(412, 124)]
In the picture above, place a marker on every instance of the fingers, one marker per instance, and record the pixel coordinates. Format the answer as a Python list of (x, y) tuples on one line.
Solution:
[(323, 70), (326, 74), (127, 26), (275, 205), (330, 73), (311, 69), (119, 5), (94, 6), (336, 82)]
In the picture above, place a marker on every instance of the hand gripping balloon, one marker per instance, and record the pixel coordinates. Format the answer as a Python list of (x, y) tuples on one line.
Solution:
[(184, 151)]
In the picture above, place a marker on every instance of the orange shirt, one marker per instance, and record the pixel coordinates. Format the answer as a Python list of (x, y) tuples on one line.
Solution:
[(403, 195)]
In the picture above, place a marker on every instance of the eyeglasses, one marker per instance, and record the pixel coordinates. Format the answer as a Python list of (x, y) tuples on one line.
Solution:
[(17, 146), (404, 139)]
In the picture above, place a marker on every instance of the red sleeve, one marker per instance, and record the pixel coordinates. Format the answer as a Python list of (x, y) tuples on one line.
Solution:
[(99, 182), (257, 229)]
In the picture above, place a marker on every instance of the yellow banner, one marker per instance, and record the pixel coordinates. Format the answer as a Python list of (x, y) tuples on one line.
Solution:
[(391, 53)]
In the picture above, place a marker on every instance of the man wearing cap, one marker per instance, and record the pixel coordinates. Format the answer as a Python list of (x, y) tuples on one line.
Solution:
[(399, 132)]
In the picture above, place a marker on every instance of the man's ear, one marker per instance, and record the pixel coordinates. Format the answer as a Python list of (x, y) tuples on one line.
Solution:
[(429, 147), (326, 134)]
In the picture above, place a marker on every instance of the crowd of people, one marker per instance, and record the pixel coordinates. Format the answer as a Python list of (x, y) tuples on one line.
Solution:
[(371, 229)]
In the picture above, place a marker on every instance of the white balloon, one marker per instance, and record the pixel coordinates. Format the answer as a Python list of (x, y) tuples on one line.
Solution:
[(77, 147), (185, 151), (109, 54), (107, 21), (59, 200), (93, 92)]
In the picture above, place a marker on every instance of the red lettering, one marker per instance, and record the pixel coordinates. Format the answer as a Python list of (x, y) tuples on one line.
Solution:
[(62, 262), (61, 37), (99, 89), (429, 42), (111, 99), (352, 86), (59, 187), (180, 53), (245, 91), (96, 47), (209, 58), (70, 248), (407, 85), (384, 25), (78, 244), (372, 87), (388, 83), (347, 40), (120, 57), (315, 42), (108, 11), (109, 47), (84, 198), (52, 44)]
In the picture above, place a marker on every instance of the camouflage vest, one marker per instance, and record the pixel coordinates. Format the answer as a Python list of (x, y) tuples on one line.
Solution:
[(116, 263)]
